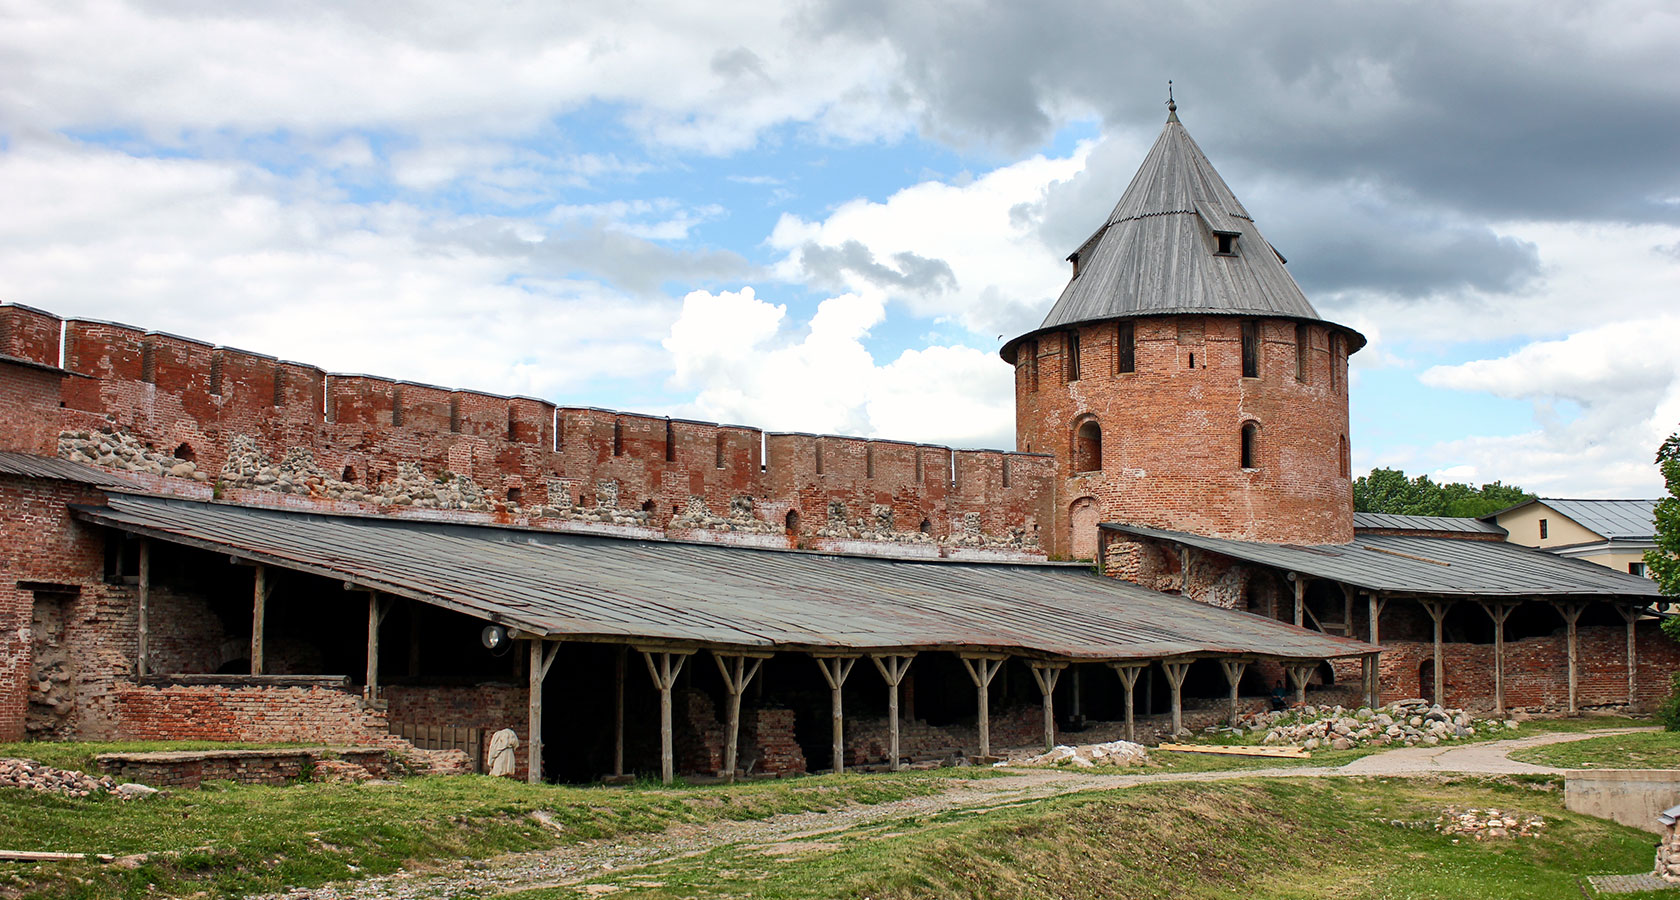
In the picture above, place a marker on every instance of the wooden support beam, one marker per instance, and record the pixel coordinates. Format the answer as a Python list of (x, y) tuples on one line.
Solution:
[(1176, 670), (836, 669), (1234, 669), (737, 674), (618, 709), (1047, 673), (378, 607), (142, 664), (543, 654), (1299, 674), (1437, 610), (1499, 611), (1630, 615), (982, 668), (1347, 610), (1129, 672), (1369, 667), (893, 668), (1376, 608), (1571, 612), (262, 587), (664, 674), (1300, 599)]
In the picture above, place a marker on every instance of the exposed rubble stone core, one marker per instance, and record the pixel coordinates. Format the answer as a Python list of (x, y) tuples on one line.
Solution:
[(741, 518), (1408, 722)]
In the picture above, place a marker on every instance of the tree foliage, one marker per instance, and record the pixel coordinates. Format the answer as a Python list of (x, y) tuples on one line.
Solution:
[(1664, 559), (1390, 491)]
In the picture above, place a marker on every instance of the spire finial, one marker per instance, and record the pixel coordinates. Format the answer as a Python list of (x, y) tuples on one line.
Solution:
[(1172, 105)]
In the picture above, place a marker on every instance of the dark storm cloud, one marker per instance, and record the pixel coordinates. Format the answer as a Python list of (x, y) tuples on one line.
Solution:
[(1449, 116), (916, 274)]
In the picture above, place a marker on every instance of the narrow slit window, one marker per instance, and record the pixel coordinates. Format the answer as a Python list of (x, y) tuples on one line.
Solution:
[(1125, 348), (869, 462), (1346, 458), (1006, 471), (670, 442), (1250, 445), (1302, 336), (1251, 349), (618, 437), (719, 461), (1542, 529), (1192, 363), (1071, 362), (819, 458)]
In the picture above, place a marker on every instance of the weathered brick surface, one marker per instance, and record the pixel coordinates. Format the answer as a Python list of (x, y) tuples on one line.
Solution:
[(490, 706), (1171, 433), (251, 714)]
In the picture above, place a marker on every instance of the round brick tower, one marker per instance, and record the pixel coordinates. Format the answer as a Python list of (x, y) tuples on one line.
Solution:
[(1182, 380)]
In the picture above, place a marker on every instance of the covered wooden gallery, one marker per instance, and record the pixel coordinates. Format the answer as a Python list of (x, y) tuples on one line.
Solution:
[(1463, 617), (595, 602)]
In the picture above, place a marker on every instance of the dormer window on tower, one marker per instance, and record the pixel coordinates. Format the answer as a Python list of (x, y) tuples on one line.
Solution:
[(1226, 243)]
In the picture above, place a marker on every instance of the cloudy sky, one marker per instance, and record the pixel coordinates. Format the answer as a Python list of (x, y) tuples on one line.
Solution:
[(824, 218)]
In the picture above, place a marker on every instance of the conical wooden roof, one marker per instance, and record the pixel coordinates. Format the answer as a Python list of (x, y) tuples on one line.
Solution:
[(1159, 251)]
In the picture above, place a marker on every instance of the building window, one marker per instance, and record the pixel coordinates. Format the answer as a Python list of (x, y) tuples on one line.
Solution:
[(1542, 529), (1639, 569), (1227, 243), (1125, 348), (1070, 363), (1087, 447), (1250, 445), (1303, 336), (1347, 461), (1251, 349)]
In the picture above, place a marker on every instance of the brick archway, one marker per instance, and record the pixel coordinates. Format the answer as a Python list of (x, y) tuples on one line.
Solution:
[(1083, 518)]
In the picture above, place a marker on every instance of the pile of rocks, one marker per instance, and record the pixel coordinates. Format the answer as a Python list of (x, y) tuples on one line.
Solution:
[(249, 468), (413, 487), (1488, 824), (1408, 722), (740, 518), (604, 512), (878, 526), (340, 771), (117, 450), (972, 536), (1085, 756), (31, 775)]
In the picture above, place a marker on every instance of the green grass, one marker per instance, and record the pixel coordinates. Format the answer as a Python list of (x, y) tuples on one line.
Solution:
[(1644, 750), (79, 755), (228, 840), (1280, 839)]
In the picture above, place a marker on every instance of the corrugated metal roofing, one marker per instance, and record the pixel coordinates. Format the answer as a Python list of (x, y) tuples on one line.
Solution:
[(1442, 566), (1155, 254), (595, 588), (55, 468), (1615, 519), (1397, 522)]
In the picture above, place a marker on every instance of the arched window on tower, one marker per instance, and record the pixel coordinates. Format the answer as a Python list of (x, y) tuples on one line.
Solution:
[(1251, 445), (1087, 447)]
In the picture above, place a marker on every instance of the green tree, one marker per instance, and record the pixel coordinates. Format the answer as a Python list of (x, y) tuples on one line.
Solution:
[(1390, 491), (1664, 559)]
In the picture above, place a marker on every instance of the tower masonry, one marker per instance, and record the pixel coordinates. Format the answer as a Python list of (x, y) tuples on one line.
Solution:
[(1182, 380)]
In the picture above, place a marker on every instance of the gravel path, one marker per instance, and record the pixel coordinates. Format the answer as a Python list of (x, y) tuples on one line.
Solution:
[(577, 862)]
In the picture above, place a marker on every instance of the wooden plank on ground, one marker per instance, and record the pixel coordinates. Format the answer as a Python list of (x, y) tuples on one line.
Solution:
[(1273, 752), (42, 856)]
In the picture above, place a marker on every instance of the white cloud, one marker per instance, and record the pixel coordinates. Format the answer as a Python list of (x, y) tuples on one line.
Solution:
[(1003, 275), (746, 365), (1623, 377)]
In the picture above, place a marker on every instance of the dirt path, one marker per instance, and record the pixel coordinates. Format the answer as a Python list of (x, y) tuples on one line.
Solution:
[(575, 863)]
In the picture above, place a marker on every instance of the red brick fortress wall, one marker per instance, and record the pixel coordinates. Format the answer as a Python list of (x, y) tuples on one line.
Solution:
[(1171, 429)]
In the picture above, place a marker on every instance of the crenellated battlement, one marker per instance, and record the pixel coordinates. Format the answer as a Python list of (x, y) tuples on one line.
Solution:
[(255, 425)]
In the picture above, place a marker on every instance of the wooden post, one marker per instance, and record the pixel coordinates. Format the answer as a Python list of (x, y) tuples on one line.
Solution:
[(664, 674), (142, 665), (1376, 608), (1129, 672), (1368, 666), (1347, 610), (1437, 610), (1176, 670), (618, 709), (737, 674), (1300, 598), (893, 668), (261, 588), (542, 657), (377, 608), (836, 669), (1499, 611), (1571, 613), (982, 668), (1299, 674), (1234, 669), (1047, 673), (1631, 616)]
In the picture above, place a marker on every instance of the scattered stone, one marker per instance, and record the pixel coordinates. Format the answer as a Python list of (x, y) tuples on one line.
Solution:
[(1407, 722), (135, 791), (31, 775), (122, 451), (740, 519), (1084, 756), (1488, 824)]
